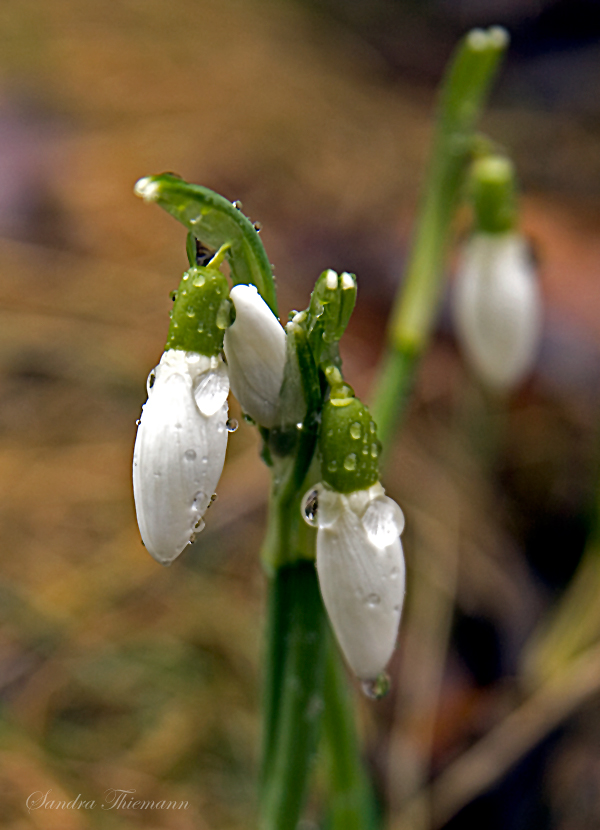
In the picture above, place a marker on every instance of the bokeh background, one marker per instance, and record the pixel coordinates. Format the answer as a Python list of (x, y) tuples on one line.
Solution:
[(117, 673)]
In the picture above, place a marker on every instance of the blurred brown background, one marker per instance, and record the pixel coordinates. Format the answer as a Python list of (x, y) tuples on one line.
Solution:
[(116, 673)]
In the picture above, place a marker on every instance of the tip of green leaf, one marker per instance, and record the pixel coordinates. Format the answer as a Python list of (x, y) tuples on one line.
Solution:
[(147, 189)]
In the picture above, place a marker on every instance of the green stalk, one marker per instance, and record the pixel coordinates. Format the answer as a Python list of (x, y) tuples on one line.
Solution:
[(351, 805), (297, 676), (464, 92)]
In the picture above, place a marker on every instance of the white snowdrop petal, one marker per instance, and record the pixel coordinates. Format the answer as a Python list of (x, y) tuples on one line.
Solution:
[(497, 308), (362, 585), (178, 458), (256, 353)]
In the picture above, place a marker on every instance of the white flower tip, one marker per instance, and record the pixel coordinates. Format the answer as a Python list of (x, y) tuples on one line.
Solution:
[(331, 280), (348, 281), (147, 189)]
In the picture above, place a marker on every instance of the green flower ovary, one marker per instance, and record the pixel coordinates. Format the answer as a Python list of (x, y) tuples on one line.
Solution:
[(201, 312), (348, 444)]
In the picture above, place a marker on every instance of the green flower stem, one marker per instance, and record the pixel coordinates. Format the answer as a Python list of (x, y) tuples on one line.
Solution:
[(298, 646), (215, 221), (352, 804), (463, 95)]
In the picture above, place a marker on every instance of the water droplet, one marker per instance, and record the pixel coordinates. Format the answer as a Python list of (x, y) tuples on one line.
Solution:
[(190, 455), (237, 204), (198, 280), (373, 426), (173, 294), (191, 311), (213, 498), (332, 466), (223, 319), (257, 227), (231, 425), (383, 522), (350, 462), (138, 422), (374, 450), (378, 688), (373, 600), (310, 506), (355, 430), (151, 380), (199, 503), (365, 450), (211, 390), (394, 573), (198, 527), (200, 328), (186, 277)]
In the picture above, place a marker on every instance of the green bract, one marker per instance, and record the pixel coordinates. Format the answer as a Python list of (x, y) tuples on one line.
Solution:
[(201, 312), (331, 304), (348, 443)]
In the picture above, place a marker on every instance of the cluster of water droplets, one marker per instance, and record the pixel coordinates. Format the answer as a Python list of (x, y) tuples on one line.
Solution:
[(380, 516)]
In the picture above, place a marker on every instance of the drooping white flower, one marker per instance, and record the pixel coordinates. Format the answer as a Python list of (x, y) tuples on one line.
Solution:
[(497, 308), (256, 352), (179, 450), (361, 571)]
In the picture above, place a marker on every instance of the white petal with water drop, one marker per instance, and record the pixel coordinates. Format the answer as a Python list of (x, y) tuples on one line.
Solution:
[(361, 571), (179, 453)]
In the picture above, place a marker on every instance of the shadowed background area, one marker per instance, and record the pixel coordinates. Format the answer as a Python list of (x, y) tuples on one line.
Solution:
[(118, 674)]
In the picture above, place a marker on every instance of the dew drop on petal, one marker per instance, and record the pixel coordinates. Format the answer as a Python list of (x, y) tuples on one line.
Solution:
[(373, 600), (138, 422), (190, 455), (350, 462), (374, 450), (310, 507), (151, 380), (378, 688), (383, 522), (237, 204), (355, 430), (211, 390), (332, 466), (231, 425)]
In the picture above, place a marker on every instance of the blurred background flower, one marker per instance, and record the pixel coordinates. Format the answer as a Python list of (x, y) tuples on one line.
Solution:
[(115, 673)]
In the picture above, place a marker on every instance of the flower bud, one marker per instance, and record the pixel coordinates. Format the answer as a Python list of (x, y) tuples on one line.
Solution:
[(497, 308), (361, 571), (360, 562), (179, 450), (256, 353)]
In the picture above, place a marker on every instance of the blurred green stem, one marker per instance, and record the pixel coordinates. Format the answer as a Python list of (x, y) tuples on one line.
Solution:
[(352, 805), (463, 95)]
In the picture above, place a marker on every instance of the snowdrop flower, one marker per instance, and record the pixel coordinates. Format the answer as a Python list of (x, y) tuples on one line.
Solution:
[(255, 349), (182, 434), (360, 562), (497, 305), (179, 450)]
